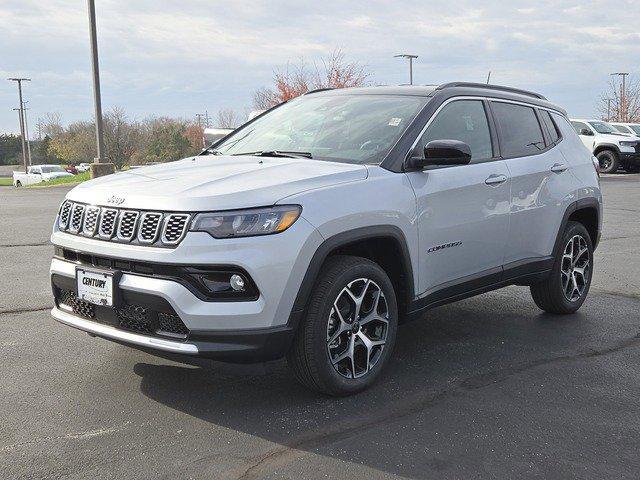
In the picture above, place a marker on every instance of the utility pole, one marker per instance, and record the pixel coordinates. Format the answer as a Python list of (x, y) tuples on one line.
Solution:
[(26, 131), (410, 58), (96, 81), (199, 117), (22, 134), (609, 109), (623, 94), (488, 77)]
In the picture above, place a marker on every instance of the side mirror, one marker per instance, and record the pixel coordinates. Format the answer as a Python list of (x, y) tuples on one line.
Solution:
[(442, 152), (587, 132)]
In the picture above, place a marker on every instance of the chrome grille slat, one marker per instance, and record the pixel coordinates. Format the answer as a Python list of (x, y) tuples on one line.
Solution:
[(108, 219), (91, 217), (127, 223), (150, 223), (65, 214), (75, 223), (175, 226), (140, 227)]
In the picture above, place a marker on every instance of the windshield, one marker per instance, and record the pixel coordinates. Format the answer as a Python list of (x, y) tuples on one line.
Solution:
[(343, 128), (602, 127), (52, 169)]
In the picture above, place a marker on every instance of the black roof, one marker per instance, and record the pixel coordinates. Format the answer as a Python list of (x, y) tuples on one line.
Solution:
[(450, 90)]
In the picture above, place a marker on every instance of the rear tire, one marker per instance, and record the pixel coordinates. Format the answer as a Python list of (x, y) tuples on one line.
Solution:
[(350, 328), (609, 161), (568, 284), (18, 184)]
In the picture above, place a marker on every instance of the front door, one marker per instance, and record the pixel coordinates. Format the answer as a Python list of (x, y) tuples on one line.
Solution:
[(463, 211)]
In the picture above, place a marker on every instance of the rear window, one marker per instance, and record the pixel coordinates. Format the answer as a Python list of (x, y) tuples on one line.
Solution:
[(551, 126), (520, 129)]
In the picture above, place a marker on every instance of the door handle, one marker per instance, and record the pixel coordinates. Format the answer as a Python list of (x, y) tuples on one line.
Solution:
[(495, 179), (559, 167)]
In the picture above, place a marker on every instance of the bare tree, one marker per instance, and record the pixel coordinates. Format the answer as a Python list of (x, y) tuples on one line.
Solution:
[(617, 105), (292, 81), (51, 124), (227, 118)]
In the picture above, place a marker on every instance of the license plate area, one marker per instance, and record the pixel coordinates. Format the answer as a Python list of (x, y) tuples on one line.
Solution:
[(99, 287)]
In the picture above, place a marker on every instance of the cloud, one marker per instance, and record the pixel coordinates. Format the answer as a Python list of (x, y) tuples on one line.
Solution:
[(180, 57)]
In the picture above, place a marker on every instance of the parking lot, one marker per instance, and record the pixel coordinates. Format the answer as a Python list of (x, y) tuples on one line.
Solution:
[(486, 388)]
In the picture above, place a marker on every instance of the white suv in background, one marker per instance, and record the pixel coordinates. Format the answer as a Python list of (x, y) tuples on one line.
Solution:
[(611, 147), (630, 128)]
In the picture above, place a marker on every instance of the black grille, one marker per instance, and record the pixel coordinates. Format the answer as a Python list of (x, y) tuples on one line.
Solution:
[(175, 227), (65, 213), (75, 223), (149, 227), (172, 324), (130, 317), (108, 222), (127, 225), (90, 220), (79, 307)]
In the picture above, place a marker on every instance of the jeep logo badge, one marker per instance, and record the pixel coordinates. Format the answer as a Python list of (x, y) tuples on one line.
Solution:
[(115, 200)]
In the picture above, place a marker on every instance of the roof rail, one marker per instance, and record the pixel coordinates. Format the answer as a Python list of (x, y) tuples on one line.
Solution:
[(318, 90), (491, 87)]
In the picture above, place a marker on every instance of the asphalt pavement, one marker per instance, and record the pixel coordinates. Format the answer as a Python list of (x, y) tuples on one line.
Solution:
[(489, 387)]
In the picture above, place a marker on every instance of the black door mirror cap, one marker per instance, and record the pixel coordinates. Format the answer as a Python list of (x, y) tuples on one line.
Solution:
[(586, 131), (441, 152)]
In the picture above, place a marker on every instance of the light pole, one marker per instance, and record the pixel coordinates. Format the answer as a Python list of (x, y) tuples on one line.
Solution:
[(410, 58), (623, 93), (22, 134), (96, 81)]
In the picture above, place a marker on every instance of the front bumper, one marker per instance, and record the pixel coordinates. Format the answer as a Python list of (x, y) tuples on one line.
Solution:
[(235, 331)]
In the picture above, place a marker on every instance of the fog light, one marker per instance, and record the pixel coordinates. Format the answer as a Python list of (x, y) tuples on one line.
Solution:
[(237, 282)]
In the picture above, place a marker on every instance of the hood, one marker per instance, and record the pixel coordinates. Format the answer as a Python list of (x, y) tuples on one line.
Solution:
[(617, 137), (212, 182)]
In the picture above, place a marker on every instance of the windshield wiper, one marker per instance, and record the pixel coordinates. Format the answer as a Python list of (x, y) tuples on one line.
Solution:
[(277, 153), (211, 151)]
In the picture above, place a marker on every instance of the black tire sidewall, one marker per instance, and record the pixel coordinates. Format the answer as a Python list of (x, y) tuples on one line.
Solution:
[(614, 161), (573, 228), (326, 371)]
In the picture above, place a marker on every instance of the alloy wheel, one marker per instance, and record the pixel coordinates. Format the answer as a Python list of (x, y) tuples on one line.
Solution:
[(576, 268), (357, 328)]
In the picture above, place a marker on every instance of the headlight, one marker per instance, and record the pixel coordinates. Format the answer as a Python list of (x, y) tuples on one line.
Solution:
[(246, 223), (628, 144)]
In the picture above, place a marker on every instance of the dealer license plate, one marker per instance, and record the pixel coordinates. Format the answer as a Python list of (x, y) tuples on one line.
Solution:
[(95, 286)]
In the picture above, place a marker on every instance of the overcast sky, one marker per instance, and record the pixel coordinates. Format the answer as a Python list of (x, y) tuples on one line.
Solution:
[(178, 58)]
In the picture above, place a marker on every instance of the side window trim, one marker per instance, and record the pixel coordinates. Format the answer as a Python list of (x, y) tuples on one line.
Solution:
[(493, 136)]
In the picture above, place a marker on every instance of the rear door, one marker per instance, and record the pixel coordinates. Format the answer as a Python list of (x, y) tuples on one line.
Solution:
[(541, 183), (463, 210)]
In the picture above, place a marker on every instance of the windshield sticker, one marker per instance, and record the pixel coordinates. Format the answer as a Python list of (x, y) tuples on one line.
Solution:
[(394, 122)]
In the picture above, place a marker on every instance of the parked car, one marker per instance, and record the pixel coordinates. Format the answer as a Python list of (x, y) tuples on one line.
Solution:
[(312, 231), (611, 147), (83, 167), (71, 169), (630, 128), (211, 135), (39, 173)]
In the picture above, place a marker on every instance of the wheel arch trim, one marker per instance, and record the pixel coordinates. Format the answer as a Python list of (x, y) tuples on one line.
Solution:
[(344, 239), (589, 203)]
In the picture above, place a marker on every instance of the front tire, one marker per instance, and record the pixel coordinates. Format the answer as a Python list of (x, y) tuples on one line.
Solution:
[(609, 161), (568, 284), (350, 328), (18, 184)]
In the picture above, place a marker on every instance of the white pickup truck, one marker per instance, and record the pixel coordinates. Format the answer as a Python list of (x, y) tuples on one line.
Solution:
[(38, 174)]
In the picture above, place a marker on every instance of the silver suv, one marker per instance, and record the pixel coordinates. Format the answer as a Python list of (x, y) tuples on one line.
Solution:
[(316, 228)]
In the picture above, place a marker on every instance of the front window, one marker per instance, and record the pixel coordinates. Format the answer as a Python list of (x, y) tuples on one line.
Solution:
[(342, 127), (602, 127), (622, 129), (52, 169)]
